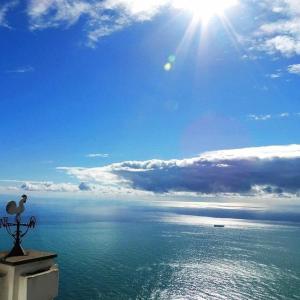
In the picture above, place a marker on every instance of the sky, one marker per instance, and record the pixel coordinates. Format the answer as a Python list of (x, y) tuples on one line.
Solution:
[(132, 99)]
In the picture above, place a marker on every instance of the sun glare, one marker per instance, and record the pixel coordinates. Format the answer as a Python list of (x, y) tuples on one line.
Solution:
[(204, 9)]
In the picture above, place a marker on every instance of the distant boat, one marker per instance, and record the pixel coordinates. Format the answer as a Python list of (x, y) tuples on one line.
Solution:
[(219, 225)]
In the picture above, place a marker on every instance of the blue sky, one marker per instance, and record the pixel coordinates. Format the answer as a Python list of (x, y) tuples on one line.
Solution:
[(88, 84)]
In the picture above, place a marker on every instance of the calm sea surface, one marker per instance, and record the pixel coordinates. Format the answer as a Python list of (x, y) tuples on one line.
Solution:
[(173, 257)]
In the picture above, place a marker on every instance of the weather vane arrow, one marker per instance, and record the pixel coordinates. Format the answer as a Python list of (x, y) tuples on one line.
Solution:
[(18, 234)]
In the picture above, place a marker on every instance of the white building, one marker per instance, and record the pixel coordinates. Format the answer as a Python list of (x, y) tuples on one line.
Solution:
[(33, 276)]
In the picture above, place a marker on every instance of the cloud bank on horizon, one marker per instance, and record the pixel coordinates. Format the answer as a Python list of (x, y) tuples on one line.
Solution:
[(258, 171)]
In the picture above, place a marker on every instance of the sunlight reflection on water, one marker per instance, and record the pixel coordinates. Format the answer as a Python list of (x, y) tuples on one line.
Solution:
[(171, 256), (208, 221)]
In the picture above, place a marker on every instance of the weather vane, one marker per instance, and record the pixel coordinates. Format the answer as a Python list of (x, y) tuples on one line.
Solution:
[(18, 234)]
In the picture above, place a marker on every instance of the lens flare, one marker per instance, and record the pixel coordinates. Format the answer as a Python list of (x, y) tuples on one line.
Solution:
[(170, 63), (172, 59), (168, 67)]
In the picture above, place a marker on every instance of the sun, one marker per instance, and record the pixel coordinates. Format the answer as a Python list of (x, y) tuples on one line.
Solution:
[(204, 9)]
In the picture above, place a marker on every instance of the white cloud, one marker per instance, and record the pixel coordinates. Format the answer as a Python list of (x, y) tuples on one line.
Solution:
[(101, 17), (35, 186), (95, 189), (260, 117), (25, 69), (95, 155), (267, 117), (285, 45), (294, 69), (284, 27), (284, 115), (53, 13), (273, 170), (4, 9), (275, 75), (141, 10), (283, 35)]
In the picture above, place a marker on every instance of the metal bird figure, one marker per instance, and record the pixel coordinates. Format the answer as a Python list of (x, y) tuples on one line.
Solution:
[(21, 228), (13, 209)]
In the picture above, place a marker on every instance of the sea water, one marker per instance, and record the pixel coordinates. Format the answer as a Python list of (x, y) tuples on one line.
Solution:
[(172, 257)]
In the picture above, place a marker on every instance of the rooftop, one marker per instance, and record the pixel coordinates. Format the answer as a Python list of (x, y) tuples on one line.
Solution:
[(31, 256)]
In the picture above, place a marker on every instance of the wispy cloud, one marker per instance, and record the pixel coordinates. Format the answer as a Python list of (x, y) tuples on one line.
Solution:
[(54, 13), (284, 115), (25, 69), (250, 171), (267, 117), (41, 186), (102, 17), (294, 69), (46, 187), (98, 155), (275, 75), (260, 117), (4, 9), (49, 187), (283, 35)]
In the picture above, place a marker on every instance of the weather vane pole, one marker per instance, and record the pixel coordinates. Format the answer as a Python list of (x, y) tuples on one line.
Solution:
[(18, 234)]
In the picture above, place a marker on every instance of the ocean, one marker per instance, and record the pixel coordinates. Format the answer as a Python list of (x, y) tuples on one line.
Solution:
[(171, 256)]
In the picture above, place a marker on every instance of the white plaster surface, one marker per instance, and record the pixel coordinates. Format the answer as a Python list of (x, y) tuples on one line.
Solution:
[(40, 286)]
